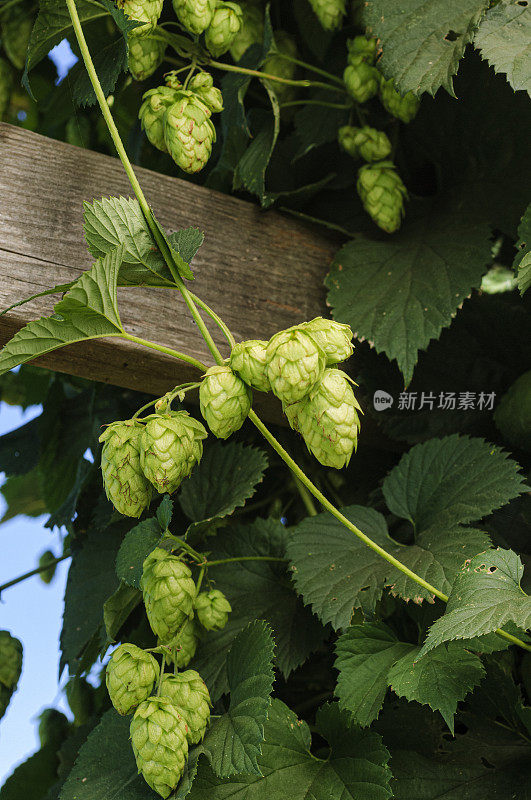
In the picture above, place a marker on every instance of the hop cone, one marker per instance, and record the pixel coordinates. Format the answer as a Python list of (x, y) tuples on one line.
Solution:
[(53, 727), (402, 107), (295, 362), (6, 83), (47, 574), (362, 80), (152, 111), (188, 693), (329, 12), (212, 610), (382, 193), (146, 11), (170, 448), (328, 419), (224, 27), (10, 660), (125, 484), (169, 592), (248, 359), (181, 648), (513, 414), (160, 744), (131, 674), (188, 132), (281, 67), (202, 85), (145, 55), (335, 338), (369, 143), (17, 25), (362, 47), (225, 401), (194, 15), (251, 30)]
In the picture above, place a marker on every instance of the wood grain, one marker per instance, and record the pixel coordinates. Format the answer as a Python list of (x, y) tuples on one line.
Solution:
[(259, 270)]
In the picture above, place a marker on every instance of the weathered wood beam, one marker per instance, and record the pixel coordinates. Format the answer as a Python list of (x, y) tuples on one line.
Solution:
[(260, 271)]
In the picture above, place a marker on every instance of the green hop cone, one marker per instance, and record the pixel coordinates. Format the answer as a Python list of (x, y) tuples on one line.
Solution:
[(169, 593), (328, 419), (513, 414), (251, 30), (281, 67), (402, 107), (248, 359), (125, 484), (194, 15), (335, 338), (6, 84), (363, 47), (329, 13), (369, 143), (382, 193), (295, 362), (145, 55), (212, 610), (181, 649), (170, 447), (188, 132), (361, 80), (145, 11), (188, 693), (47, 574), (152, 111), (202, 85), (225, 401), (10, 660), (53, 727), (17, 24), (130, 677), (160, 744), (224, 27)]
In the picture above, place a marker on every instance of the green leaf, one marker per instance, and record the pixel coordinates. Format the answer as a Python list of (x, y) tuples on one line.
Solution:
[(183, 268), (164, 512), (224, 479), (256, 590), (18, 450), (124, 23), (233, 742), (422, 43), (33, 777), (88, 311), (316, 125), (441, 679), (401, 291), (117, 607), (485, 596), (110, 60), (251, 170), (65, 513), (504, 40), (23, 495), (524, 273), (365, 654), (134, 550), (187, 242), (522, 260), (59, 289), (451, 480)]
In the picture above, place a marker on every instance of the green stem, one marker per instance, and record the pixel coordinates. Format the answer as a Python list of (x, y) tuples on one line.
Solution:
[(168, 350), (311, 68), (219, 322), (315, 103), (200, 579), (242, 558), (161, 673), (32, 572), (185, 546), (254, 73)]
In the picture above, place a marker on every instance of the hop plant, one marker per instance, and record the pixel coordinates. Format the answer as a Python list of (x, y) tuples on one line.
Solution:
[(170, 447), (145, 11), (6, 84), (361, 80), (202, 85), (169, 593), (152, 111), (125, 484), (328, 419), (181, 649), (10, 660), (130, 677), (251, 30), (53, 727), (402, 107), (17, 24), (335, 338), (329, 12), (295, 362), (145, 56), (80, 696), (188, 693), (188, 132), (369, 143), (382, 193), (212, 610), (160, 744), (513, 414), (248, 359), (225, 401), (281, 67), (362, 47), (194, 15), (46, 558), (224, 27)]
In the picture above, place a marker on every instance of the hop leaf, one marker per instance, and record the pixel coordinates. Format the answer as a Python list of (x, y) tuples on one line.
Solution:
[(248, 359), (212, 610), (125, 484), (188, 693), (146, 11), (6, 84), (329, 12), (188, 132), (202, 85), (369, 143), (513, 414), (160, 744), (152, 111), (251, 30), (171, 445), (53, 727), (145, 55), (295, 363), (131, 674), (382, 193), (404, 108), (361, 80), (181, 649), (169, 593), (17, 25), (335, 338), (224, 27), (10, 660), (225, 401), (194, 15)]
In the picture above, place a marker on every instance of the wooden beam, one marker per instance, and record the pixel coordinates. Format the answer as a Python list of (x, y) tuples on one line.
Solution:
[(260, 271)]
